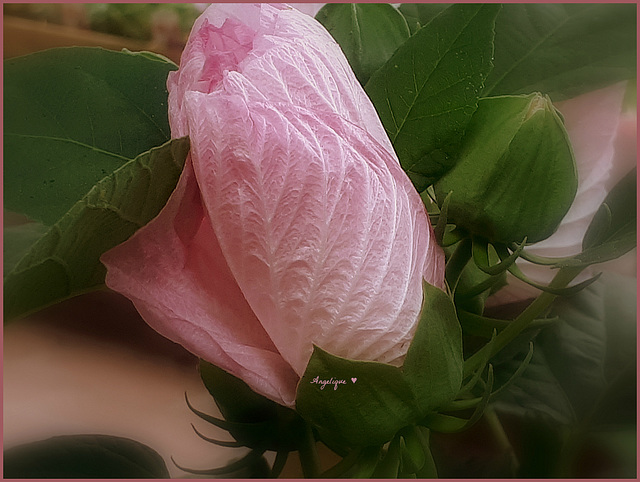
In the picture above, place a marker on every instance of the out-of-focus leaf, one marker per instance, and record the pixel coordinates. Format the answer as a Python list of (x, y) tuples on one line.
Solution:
[(16, 242), (578, 360), (428, 90), (612, 231), (84, 457), (71, 117), (368, 33), (562, 50), (66, 260)]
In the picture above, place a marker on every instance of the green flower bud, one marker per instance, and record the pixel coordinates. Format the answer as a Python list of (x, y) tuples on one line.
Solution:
[(516, 174)]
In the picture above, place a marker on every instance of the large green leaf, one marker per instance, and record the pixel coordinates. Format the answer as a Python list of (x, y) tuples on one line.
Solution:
[(434, 363), (66, 260), (368, 33), (428, 90), (422, 13), (84, 457), (562, 50), (17, 240), (72, 116), (354, 403)]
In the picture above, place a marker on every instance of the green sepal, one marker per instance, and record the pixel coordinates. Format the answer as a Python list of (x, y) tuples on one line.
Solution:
[(434, 363), (440, 228), (519, 371), (429, 469), (541, 260), (457, 262), (413, 447), (478, 325), (439, 422), (517, 163), (568, 291), (376, 400), (250, 418), (367, 411), (474, 286), (389, 466), (366, 464), (452, 236), (444, 423), (65, 261), (481, 257)]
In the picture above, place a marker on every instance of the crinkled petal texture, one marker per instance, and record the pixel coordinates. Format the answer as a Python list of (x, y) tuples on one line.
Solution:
[(288, 56), (592, 123), (293, 223)]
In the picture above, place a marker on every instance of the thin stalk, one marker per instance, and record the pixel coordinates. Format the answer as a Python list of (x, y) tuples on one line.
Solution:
[(531, 313), (309, 455)]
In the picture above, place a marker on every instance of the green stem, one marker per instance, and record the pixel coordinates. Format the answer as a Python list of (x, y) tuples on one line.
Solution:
[(308, 455), (532, 312)]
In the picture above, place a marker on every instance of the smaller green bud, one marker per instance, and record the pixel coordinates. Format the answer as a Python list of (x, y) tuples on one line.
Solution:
[(516, 174)]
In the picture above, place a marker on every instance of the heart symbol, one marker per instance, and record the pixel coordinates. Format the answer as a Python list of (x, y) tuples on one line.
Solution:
[(354, 380)]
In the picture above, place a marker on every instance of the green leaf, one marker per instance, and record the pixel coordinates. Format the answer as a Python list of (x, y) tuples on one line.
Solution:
[(280, 427), (562, 50), (368, 33), (612, 231), (73, 116), (517, 163), (84, 457), (389, 466), (66, 260), (434, 363), (17, 241), (422, 13), (415, 447), (579, 361), (428, 90), (357, 403)]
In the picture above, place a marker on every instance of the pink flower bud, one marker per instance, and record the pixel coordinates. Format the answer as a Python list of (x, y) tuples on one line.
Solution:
[(293, 223)]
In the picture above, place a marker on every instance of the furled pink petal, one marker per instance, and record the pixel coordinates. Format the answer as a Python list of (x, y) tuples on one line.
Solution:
[(293, 223), (592, 123), (310, 9), (322, 230), (294, 60), (176, 276)]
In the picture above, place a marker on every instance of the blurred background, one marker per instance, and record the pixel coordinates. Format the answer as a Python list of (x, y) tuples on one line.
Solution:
[(158, 27)]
